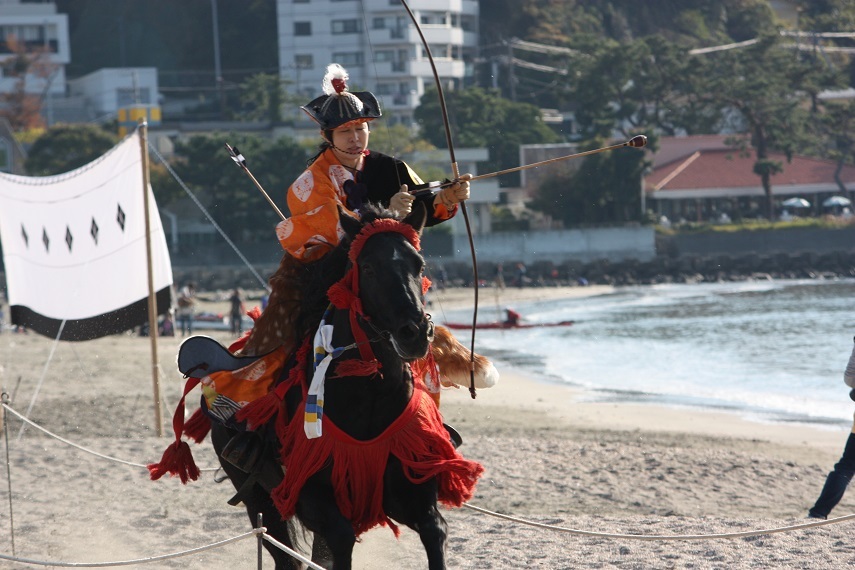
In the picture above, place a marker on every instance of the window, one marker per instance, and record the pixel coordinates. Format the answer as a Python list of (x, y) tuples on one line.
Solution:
[(438, 51), (302, 28), (378, 23), (301, 1), (30, 35), (346, 26), (127, 96), (304, 61), (384, 55), (348, 59)]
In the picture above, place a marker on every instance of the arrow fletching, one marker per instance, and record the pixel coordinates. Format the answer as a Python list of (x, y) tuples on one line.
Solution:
[(236, 155)]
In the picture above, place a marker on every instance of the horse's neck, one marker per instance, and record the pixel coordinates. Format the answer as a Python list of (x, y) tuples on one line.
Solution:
[(364, 406)]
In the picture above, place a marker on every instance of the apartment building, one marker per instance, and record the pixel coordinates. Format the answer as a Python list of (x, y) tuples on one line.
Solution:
[(377, 43), (41, 29)]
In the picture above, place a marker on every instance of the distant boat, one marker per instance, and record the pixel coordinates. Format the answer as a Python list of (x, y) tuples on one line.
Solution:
[(505, 325)]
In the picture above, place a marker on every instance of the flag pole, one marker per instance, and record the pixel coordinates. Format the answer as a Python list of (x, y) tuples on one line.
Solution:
[(152, 301)]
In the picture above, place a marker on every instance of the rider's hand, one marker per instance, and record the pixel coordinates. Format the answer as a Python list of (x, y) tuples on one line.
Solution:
[(402, 202), (455, 193)]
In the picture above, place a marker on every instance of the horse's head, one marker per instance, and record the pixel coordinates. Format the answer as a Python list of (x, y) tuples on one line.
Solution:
[(389, 277)]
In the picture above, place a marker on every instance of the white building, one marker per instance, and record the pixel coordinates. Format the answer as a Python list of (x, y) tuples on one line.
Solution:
[(39, 27), (379, 46), (109, 89)]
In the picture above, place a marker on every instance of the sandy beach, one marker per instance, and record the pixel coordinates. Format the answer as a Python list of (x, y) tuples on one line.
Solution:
[(551, 456)]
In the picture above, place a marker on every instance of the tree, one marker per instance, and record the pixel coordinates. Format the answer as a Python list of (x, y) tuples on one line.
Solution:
[(635, 86), (203, 164), (765, 94), (835, 128), (263, 97), (606, 188), (482, 118), (21, 107), (65, 147)]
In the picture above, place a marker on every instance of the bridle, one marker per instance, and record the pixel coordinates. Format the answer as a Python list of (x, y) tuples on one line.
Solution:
[(344, 294)]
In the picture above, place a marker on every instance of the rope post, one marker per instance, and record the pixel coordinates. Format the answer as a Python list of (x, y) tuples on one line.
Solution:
[(152, 301), (4, 400), (260, 535)]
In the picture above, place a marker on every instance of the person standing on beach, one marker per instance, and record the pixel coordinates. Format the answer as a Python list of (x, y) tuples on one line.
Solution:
[(186, 306), (236, 311), (837, 481)]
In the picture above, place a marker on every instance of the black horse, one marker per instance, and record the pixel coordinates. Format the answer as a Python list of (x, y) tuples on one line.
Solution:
[(381, 323)]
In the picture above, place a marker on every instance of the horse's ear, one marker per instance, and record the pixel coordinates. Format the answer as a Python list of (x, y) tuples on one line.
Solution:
[(417, 217), (349, 224)]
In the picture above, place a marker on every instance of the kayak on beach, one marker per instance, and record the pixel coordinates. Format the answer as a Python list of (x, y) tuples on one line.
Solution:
[(506, 325)]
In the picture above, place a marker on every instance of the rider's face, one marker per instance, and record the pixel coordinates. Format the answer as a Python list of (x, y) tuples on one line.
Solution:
[(350, 141)]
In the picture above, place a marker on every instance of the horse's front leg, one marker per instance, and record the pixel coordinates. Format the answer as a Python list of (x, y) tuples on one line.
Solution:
[(318, 512), (433, 531), (415, 506)]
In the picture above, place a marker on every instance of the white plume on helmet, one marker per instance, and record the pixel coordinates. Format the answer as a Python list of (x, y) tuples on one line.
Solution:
[(335, 83)]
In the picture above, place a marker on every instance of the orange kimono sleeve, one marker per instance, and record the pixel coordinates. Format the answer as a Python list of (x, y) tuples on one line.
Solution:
[(312, 230)]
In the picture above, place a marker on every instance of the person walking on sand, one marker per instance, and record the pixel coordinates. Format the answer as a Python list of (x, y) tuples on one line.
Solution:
[(186, 307), (236, 311), (839, 478)]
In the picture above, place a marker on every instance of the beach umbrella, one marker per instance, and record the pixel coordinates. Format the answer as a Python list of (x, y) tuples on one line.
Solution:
[(795, 203), (837, 201)]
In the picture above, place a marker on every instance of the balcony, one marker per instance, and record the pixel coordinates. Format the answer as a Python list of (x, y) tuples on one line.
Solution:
[(442, 34), (444, 67)]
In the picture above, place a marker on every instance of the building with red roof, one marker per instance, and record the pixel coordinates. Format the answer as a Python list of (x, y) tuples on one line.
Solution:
[(700, 178)]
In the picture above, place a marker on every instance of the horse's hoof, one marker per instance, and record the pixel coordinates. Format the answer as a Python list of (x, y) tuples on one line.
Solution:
[(454, 436), (243, 450)]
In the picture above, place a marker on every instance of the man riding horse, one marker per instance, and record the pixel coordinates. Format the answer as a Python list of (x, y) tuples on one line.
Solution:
[(342, 179)]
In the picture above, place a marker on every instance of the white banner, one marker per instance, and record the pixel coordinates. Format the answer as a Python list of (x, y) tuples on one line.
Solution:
[(74, 247)]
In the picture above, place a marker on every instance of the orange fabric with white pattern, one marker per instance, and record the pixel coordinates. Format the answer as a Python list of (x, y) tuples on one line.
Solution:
[(313, 228)]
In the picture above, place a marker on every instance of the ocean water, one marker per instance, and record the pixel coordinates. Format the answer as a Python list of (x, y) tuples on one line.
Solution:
[(768, 350)]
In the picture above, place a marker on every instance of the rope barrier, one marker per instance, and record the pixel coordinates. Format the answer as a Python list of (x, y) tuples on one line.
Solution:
[(145, 560), (80, 447), (482, 510), (291, 552), (662, 537)]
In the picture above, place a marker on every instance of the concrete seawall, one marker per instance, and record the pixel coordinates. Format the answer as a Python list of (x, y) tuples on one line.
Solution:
[(613, 256)]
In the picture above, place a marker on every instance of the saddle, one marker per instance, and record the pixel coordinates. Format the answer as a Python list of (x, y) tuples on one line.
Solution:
[(246, 450), (204, 353)]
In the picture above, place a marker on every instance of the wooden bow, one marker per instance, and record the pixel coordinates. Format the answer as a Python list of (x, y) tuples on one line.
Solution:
[(455, 174)]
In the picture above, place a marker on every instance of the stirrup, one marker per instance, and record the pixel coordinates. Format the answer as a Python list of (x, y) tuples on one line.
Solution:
[(243, 450), (453, 435)]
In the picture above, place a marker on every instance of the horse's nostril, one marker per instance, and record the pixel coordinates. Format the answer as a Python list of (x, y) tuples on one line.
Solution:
[(408, 331)]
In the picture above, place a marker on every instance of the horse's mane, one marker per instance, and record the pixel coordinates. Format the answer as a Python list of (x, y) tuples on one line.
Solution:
[(320, 275)]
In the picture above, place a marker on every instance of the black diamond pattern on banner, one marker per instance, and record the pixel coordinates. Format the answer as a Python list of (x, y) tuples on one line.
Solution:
[(120, 217), (68, 237), (93, 231), (45, 239), (25, 236)]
